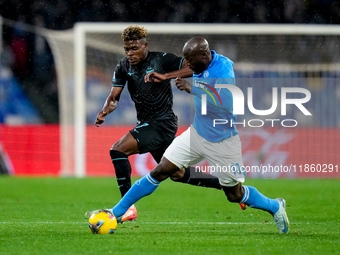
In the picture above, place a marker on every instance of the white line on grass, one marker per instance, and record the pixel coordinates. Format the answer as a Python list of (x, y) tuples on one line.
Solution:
[(141, 222), (158, 223)]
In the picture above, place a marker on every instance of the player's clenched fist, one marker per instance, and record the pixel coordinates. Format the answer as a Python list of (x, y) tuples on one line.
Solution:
[(154, 77), (100, 118), (108, 108)]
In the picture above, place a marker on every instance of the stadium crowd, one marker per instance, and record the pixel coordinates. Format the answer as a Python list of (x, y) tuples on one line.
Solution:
[(61, 14), (30, 57)]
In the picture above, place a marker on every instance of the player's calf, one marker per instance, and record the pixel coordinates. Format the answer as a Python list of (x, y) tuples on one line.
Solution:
[(163, 170), (235, 193), (200, 179)]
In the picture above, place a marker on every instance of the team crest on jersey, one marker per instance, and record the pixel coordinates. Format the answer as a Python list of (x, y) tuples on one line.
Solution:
[(149, 69), (205, 74)]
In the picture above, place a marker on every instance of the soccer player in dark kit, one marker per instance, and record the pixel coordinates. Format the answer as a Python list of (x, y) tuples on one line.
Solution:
[(157, 123)]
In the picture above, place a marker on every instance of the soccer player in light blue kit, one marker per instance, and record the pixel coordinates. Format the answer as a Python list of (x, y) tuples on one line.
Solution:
[(219, 144)]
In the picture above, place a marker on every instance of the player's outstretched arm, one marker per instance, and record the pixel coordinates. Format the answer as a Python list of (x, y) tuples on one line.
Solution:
[(184, 72), (109, 106)]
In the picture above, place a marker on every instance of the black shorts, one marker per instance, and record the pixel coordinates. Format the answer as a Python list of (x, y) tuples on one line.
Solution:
[(155, 136)]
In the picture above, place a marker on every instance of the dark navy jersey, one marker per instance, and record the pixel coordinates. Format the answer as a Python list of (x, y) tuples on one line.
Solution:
[(153, 100)]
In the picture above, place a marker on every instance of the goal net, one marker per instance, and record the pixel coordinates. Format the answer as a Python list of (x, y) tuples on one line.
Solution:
[(86, 56)]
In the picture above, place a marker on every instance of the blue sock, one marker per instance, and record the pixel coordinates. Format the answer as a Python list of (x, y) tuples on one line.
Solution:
[(253, 198), (141, 188)]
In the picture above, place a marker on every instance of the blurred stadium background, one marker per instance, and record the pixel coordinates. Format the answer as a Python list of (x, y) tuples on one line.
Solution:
[(37, 79)]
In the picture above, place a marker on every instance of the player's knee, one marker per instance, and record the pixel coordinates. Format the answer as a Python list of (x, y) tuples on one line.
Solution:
[(116, 146)]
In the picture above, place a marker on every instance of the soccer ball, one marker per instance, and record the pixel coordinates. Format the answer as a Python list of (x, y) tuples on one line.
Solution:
[(102, 222)]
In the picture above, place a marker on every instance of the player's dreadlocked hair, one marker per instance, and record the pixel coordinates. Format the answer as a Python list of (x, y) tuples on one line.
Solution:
[(134, 32)]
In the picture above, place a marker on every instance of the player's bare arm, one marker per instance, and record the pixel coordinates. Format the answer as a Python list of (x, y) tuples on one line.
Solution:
[(109, 106), (184, 72), (183, 84)]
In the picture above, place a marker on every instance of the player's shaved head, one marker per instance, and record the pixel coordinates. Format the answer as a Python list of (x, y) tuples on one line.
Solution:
[(197, 54), (196, 45)]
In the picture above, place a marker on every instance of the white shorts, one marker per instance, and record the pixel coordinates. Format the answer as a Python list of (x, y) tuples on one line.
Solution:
[(224, 157)]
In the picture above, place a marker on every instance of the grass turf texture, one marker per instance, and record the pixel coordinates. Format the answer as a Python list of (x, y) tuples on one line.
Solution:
[(46, 216)]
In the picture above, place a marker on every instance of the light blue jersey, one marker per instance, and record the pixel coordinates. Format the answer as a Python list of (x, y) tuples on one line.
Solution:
[(219, 100)]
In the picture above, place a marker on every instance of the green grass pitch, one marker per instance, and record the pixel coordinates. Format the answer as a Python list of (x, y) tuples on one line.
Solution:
[(46, 216)]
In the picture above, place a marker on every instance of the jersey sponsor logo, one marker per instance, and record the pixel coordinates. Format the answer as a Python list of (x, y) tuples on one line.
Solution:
[(130, 74)]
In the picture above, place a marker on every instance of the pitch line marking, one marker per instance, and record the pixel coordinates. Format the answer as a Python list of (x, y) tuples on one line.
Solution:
[(140, 222), (160, 223)]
